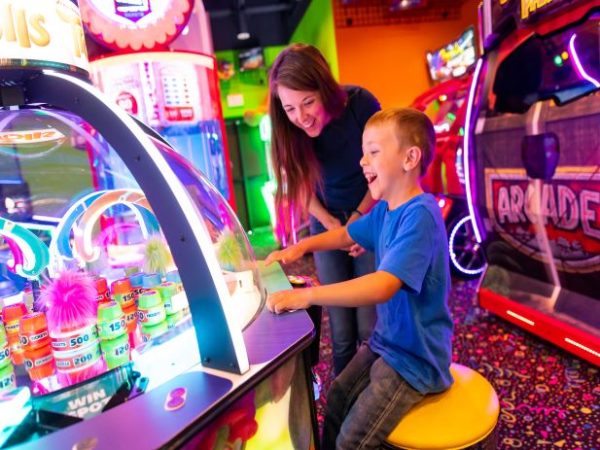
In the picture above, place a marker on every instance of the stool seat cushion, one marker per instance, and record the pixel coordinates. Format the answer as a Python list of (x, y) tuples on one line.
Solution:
[(460, 417)]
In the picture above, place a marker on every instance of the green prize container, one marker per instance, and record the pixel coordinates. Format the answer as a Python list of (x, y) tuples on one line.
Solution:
[(150, 308), (4, 354), (8, 380), (174, 319), (111, 321), (116, 351), (153, 331), (167, 291)]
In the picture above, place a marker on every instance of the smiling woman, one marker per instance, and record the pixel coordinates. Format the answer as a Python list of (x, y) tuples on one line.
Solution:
[(317, 127)]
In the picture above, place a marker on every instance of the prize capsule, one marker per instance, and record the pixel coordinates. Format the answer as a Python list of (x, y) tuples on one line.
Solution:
[(102, 290), (33, 331), (111, 321), (123, 293), (39, 363)]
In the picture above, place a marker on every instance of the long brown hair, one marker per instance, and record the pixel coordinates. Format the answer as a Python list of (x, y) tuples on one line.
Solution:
[(299, 67)]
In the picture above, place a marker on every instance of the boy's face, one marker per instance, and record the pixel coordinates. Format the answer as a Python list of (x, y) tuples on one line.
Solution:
[(305, 109), (385, 162)]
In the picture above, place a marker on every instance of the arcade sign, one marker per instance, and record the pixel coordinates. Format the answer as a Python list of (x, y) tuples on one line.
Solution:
[(569, 208), (499, 16), (134, 25), (42, 34)]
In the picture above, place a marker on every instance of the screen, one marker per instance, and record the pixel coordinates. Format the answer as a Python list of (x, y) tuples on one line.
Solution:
[(251, 59), (454, 59)]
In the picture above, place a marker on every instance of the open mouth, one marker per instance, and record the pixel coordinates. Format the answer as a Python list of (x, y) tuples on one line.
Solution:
[(370, 177), (309, 125)]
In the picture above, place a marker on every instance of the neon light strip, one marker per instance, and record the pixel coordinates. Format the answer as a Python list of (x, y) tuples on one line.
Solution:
[(467, 149), (519, 317), (83, 230), (46, 218), (580, 70), (35, 253), (187, 207), (453, 256), (59, 246), (154, 57), (37, 226), (582, 347)]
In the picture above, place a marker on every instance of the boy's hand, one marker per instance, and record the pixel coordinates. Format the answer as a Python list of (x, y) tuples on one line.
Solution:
[(286, 255), (282, 301)]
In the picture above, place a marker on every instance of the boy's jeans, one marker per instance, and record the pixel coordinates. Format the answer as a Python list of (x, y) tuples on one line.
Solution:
[(349, 326), (365, 403)]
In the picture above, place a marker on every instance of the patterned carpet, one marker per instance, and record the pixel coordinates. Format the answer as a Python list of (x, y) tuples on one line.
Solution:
[(549, 399)]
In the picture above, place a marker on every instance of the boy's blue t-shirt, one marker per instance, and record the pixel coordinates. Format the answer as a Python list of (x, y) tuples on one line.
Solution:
[(413, 332)]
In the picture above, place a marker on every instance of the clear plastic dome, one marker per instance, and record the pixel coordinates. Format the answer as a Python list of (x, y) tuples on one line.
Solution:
[(71, 217)]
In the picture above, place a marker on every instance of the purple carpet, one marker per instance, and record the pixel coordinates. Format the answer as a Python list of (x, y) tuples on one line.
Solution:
[(549, 399)]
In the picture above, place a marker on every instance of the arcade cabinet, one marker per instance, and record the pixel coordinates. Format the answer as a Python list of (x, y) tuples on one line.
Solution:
[(450, 67), (532, 174), (141, 323), (152, 60)]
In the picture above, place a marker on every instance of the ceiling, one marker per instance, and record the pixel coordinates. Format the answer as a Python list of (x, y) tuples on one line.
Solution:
[(267, 22)]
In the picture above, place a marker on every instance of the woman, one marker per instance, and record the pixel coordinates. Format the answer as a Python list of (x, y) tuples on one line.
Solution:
[(317, 128)]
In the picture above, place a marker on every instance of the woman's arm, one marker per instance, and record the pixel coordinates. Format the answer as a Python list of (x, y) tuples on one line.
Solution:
[(363, 207), (329, 240), (318, 211)]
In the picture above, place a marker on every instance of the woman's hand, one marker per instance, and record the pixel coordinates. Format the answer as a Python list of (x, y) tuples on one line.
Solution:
[(282, 301), (356, 250), (287, 255)]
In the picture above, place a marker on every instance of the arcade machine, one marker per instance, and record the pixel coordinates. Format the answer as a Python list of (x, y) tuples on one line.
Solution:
[(162, 342), (532, 173), (445, 104), (146, 64)]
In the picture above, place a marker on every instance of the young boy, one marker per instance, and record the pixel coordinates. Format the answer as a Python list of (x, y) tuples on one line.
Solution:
[(409, 353)]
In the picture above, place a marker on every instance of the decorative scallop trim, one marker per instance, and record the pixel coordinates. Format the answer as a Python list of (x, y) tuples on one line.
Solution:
[(155, 30)]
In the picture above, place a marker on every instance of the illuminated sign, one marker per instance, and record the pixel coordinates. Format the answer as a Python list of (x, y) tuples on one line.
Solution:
[(44, 33), (570, 209), (135, 24), (30, 136), (531, 6)]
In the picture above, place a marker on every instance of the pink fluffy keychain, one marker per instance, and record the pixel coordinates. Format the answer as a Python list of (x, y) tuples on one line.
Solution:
[(70, 304)]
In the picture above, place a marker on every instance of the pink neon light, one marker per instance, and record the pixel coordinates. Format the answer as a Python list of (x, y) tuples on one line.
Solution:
[(580, 70), (467, 149)]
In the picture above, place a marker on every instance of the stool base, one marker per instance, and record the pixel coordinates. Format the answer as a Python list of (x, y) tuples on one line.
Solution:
[(487, 443)]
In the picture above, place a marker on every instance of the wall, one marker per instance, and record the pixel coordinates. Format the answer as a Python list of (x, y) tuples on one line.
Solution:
[(317, 28), (390, 60), (251, 84)]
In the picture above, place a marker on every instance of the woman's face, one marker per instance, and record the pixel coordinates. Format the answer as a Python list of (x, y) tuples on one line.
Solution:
[(304, 109)]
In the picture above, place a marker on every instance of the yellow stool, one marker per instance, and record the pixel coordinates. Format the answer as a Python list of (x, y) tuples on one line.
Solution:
[(464, 416)]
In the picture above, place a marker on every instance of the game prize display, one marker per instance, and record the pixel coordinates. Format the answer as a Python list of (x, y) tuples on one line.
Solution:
[(128, 304)]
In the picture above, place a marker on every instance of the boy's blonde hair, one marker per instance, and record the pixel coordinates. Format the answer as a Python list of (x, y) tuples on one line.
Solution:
[(412, 127)]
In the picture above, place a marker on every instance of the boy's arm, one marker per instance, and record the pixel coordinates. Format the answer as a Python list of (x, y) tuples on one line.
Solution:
[(329, 240), (371, 289)]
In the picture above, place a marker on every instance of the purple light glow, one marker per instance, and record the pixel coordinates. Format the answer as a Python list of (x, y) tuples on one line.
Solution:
[(578, 66), (467, 148)]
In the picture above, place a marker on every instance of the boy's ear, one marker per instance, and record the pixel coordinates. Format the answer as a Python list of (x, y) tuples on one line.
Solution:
[(412, 158)]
